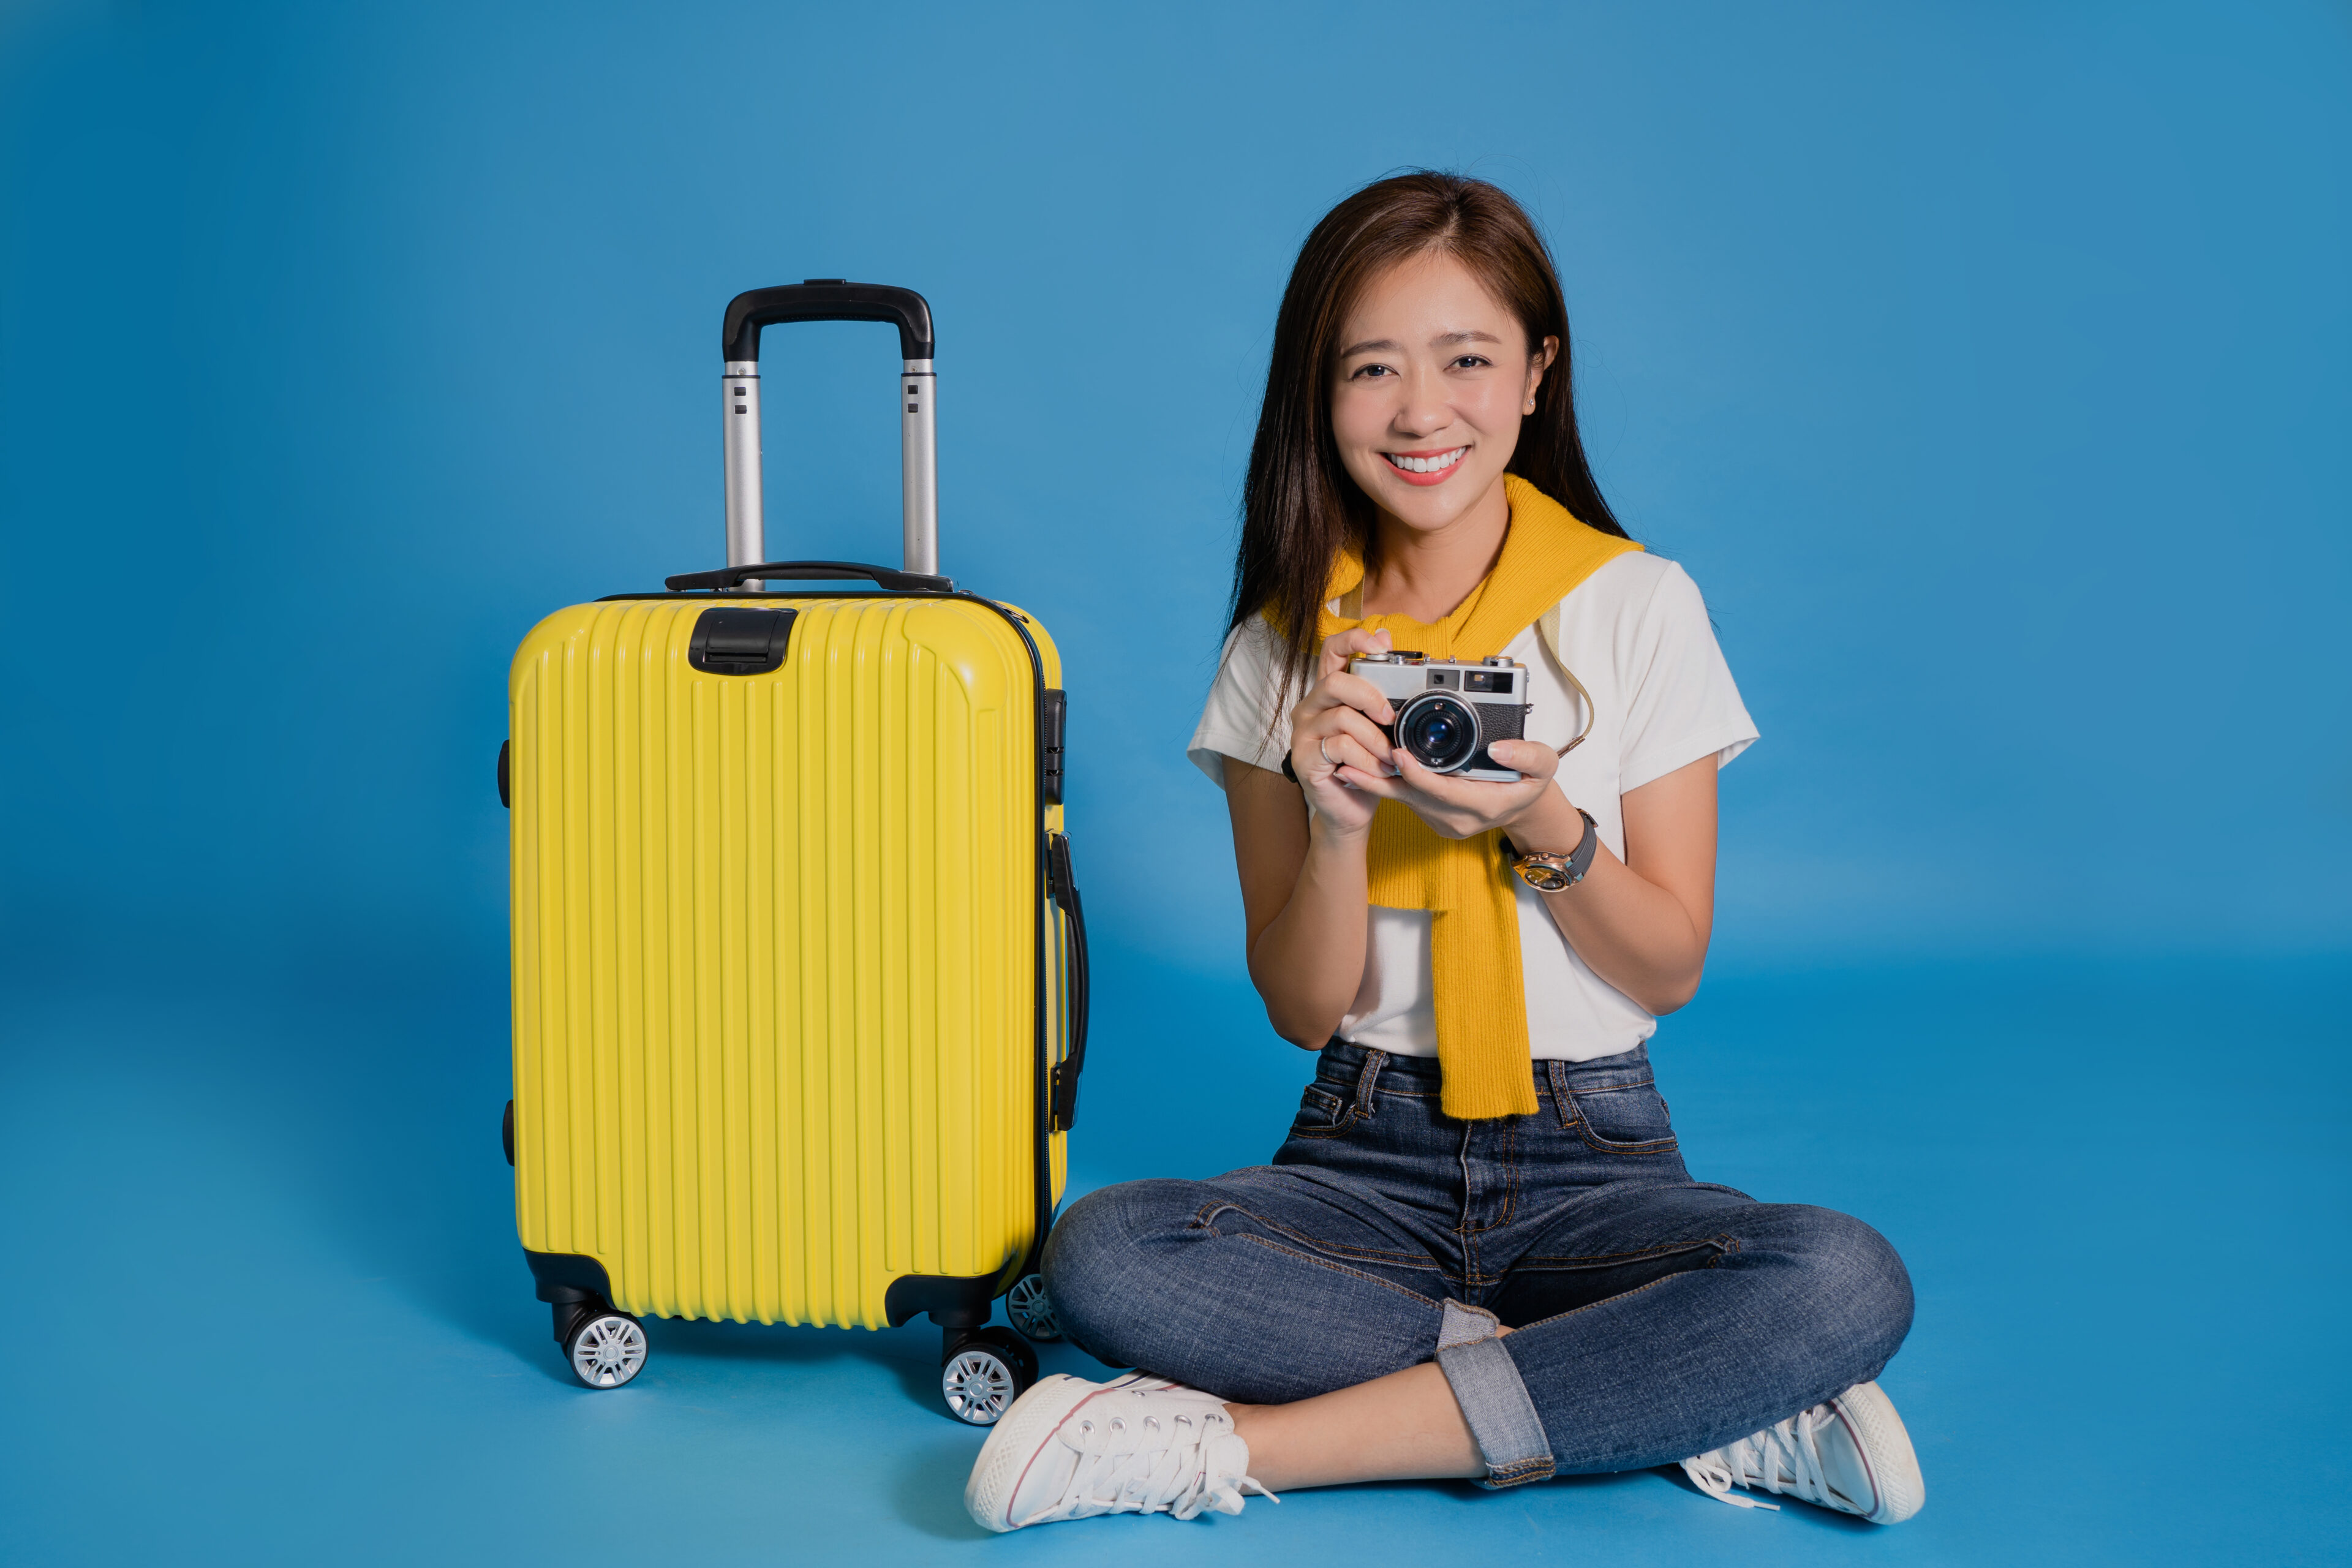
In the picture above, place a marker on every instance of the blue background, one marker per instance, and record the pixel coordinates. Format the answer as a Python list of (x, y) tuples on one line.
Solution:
[(1986, 365)]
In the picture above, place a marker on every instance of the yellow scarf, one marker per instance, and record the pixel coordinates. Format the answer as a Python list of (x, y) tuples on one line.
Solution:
[(1479, 993)]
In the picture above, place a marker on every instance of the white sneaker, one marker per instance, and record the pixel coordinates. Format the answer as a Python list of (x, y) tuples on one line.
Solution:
[(1852, 1455), (1072, 1450)]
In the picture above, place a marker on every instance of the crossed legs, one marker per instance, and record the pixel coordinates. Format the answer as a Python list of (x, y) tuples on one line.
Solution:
[(1655, 1321)]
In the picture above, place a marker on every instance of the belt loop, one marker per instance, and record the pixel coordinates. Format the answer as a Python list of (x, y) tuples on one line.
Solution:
[(1562, 1102), (1368, 1079)]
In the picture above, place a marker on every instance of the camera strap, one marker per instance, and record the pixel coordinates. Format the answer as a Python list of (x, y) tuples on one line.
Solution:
[(1547, 632)]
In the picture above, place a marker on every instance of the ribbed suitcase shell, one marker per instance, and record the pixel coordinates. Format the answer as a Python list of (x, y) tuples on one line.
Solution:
[(779, 946)]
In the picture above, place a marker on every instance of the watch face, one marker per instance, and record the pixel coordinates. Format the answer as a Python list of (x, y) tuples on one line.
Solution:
[(1543, 877)]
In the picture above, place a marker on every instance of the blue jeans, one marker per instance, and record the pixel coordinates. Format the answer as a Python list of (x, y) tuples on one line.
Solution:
[(1654, 1317)]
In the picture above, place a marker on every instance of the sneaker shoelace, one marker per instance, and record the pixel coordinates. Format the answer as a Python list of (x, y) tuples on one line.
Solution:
[(1146, 1467), (1783, 1459)]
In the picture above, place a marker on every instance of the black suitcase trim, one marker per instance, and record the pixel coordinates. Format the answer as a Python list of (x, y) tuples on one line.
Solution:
[(571, 1283), (953, 1301), (568, 1276)]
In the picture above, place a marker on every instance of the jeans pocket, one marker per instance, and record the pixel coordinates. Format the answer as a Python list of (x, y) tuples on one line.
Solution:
[(1323, 1112), (1630, 1119)]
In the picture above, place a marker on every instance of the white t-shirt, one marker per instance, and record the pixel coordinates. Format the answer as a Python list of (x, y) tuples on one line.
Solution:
[(1636, 633)]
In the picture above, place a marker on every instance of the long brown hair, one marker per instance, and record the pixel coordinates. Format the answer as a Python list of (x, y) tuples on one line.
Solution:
[(1299, 507)]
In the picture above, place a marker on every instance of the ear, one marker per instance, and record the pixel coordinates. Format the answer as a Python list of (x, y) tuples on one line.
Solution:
[(1540, 362)]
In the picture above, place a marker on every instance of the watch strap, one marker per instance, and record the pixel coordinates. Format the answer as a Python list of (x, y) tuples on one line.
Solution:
[(1573, 865), (1580, 859)]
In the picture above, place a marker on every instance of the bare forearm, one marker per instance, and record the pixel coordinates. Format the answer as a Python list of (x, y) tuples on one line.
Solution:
[(1309, 959), (1634, 933)]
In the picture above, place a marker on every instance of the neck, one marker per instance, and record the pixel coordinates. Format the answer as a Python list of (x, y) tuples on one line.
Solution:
[(1426, 573)]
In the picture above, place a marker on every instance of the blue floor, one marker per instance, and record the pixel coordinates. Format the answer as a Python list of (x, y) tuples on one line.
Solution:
[(267, 1308)]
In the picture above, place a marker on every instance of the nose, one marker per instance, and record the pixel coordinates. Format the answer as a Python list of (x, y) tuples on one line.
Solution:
[(1425, 409)]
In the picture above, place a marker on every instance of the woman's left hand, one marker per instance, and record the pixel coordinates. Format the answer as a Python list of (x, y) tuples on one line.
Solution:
[(1463, 808)]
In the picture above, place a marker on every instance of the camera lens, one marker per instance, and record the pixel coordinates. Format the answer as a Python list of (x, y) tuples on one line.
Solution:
[(1440, 731)]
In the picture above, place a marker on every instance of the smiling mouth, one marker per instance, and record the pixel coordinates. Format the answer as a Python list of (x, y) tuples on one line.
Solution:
[(1424, 468), (1426, 462)]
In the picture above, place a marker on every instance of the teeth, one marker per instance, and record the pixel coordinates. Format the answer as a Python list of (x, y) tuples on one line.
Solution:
[(1438, 464)]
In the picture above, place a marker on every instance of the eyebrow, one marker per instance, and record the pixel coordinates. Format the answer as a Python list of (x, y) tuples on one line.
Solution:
[(1442, 339)]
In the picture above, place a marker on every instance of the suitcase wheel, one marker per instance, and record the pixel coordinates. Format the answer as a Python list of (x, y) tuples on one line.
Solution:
[(983, 1372), (1032, 1311), (605, 1348)]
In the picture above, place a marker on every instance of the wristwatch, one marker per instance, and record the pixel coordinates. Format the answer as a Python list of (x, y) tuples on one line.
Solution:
[(1557, 873)]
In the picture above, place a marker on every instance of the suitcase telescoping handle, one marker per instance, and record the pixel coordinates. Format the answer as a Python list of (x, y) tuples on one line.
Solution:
[(831, 300)]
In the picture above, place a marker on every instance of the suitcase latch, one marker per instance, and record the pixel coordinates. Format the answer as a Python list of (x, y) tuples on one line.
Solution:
[(741, 642)]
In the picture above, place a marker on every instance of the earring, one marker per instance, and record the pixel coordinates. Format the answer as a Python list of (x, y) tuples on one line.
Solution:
[(1531, 405)]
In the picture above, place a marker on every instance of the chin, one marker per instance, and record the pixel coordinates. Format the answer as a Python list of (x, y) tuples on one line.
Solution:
[(1425, 507), (1419, 511)]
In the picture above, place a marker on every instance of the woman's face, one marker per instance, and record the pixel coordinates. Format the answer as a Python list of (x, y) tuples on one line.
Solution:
[(1435, 375)]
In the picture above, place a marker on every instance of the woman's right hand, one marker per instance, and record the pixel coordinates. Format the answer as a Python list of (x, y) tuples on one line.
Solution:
[(1335, 741)]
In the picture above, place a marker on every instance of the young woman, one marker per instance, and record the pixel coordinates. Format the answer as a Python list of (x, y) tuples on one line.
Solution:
[(1478, 1253)]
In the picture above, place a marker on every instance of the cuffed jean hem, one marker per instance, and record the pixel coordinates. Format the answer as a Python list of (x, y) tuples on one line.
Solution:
[(1495, 1401), (1463, 1325)]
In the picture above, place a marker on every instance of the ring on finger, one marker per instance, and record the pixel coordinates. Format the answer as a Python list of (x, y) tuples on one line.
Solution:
[(1322, 753)]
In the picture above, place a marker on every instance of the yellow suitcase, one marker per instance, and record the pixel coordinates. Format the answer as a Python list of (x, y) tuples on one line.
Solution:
[(799, 962)]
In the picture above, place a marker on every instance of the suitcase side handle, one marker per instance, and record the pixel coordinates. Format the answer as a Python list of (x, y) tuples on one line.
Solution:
[(831, 300), (728, 577), (1064, 884)]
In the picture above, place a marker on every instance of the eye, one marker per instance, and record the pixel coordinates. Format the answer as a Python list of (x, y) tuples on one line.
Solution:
[(1472, 361), (1364, 372)]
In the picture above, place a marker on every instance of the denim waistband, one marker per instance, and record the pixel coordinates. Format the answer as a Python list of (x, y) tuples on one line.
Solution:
[(1345, 1058)]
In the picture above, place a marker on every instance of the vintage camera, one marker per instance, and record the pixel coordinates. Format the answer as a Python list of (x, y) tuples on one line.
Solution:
[(1447, 714)]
